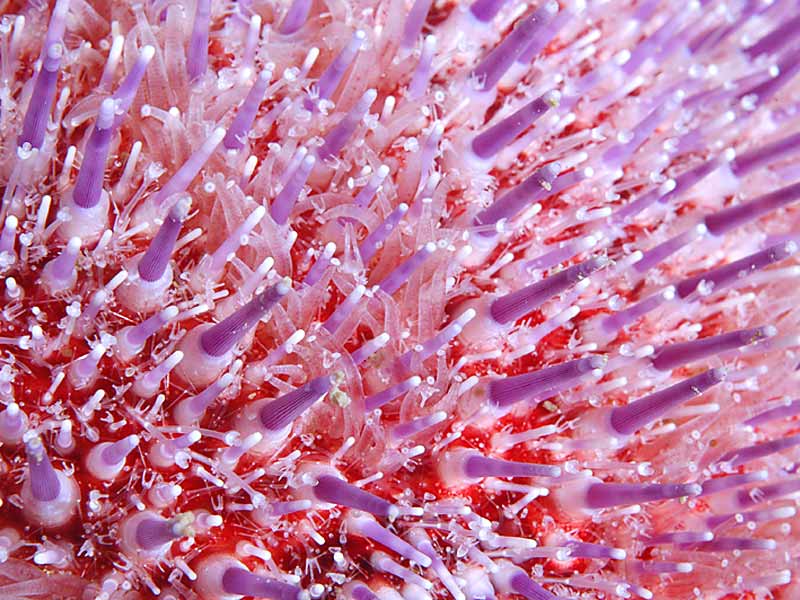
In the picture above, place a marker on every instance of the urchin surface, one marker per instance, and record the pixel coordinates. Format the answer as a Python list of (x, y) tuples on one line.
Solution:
[(399, 300)]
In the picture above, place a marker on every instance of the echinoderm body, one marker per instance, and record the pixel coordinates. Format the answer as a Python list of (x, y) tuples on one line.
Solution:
[(401, 300)]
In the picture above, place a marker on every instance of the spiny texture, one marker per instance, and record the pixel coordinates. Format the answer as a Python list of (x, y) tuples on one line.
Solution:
[(353, 299)]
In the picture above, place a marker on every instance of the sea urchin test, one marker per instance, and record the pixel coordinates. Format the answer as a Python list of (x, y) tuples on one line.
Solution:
[(399, 299)]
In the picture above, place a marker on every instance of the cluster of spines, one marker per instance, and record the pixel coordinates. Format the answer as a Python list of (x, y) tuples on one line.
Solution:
[(206, 355)]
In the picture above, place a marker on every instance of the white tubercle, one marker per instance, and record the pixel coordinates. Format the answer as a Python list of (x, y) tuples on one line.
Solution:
[(49, 496), (59, 275), (168, 453), (131, 339), (83, 371), (210, 572), (106, 460), (65, 441), (189, 410), (148, 536), (86, 223), (148, 385), (13, 424), (142, 296)]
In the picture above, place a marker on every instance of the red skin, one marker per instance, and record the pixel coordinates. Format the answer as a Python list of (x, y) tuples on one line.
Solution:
[(289, 551)]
